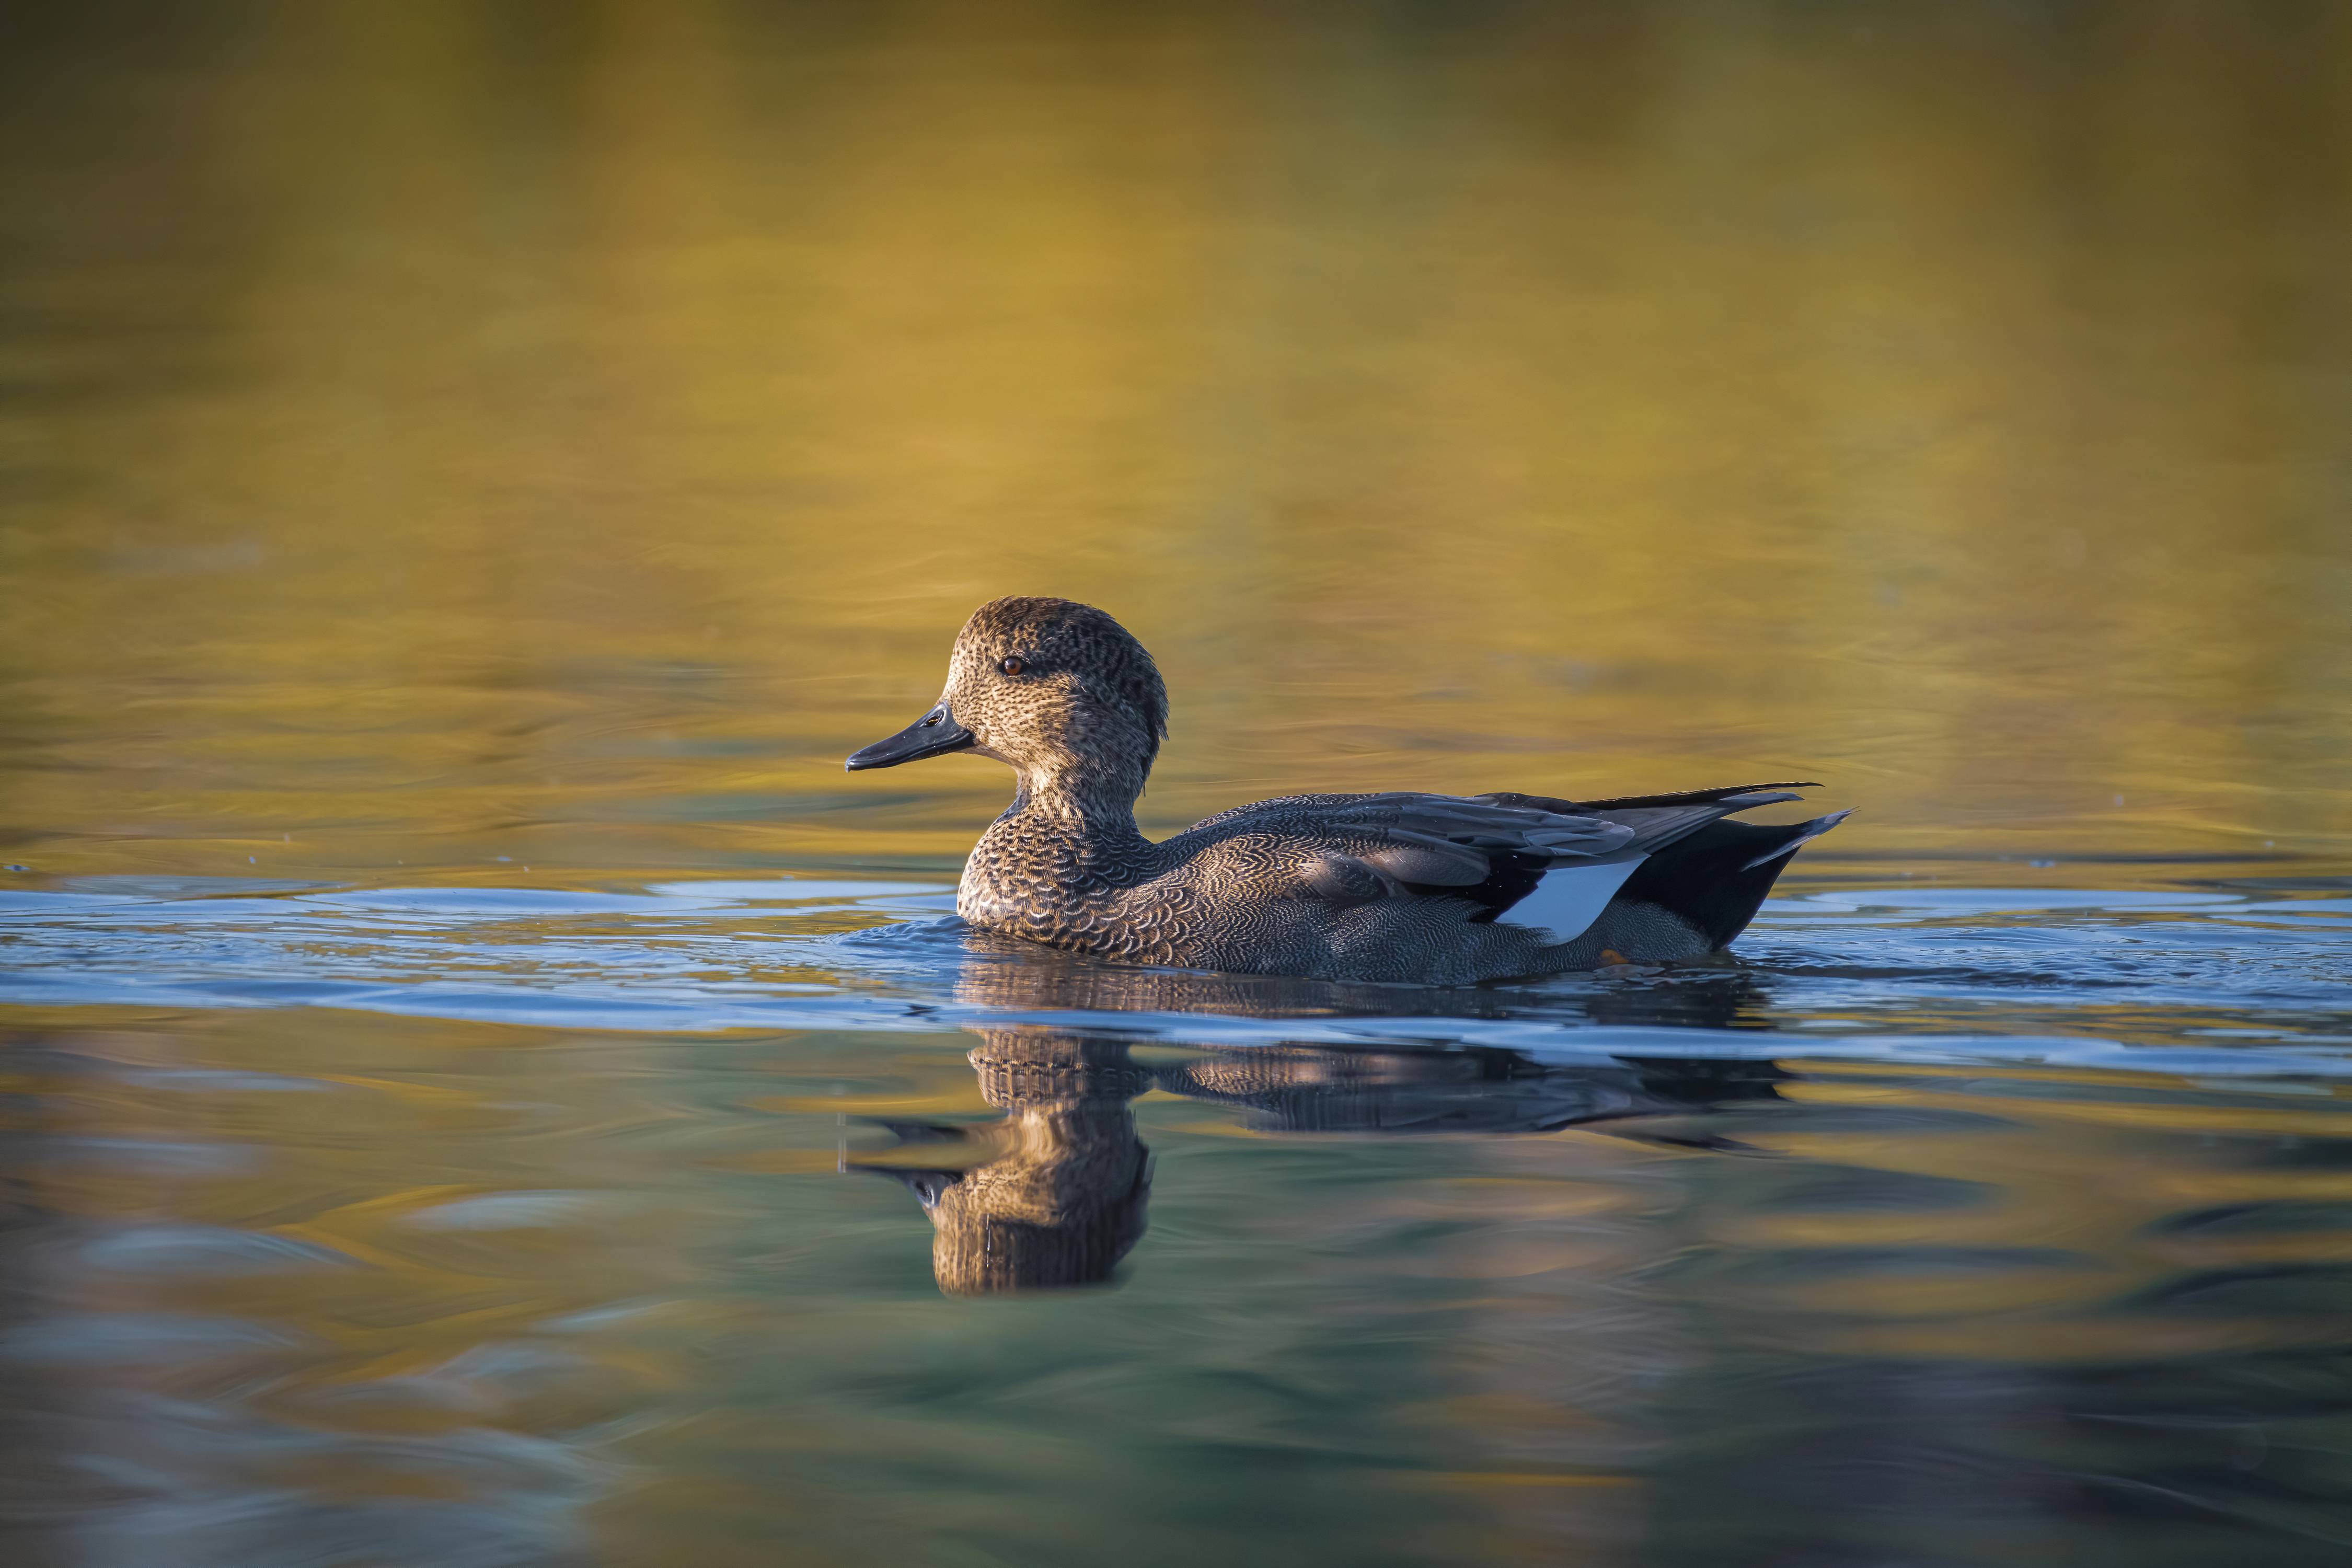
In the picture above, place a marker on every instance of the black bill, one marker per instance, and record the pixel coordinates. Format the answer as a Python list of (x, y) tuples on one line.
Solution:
[(932, 735)]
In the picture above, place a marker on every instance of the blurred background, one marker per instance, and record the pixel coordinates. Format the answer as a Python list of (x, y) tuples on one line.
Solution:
[(435, 430)]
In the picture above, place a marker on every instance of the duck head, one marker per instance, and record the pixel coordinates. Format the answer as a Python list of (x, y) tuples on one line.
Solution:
[(1058, 691)]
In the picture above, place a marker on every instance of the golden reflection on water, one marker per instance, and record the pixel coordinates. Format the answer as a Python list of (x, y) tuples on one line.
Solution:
[(442, 430)]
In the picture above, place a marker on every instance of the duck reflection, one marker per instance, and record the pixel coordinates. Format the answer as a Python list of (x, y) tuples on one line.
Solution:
[(1054, 1193), (1297, 1087), (1012, 974)]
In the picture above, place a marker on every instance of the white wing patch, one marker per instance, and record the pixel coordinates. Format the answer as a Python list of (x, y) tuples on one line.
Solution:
[(1571, 897)]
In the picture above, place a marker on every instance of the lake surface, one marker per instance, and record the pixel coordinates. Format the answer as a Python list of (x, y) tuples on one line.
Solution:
[(479, 1088)]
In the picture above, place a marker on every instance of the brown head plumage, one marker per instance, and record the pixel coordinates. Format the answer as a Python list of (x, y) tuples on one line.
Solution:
[(1041, 682)]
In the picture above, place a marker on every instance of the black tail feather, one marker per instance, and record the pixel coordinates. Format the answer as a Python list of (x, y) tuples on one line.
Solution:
[(1716, 878)]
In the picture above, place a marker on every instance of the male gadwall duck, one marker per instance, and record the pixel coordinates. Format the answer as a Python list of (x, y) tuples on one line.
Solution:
[(1396, 887)]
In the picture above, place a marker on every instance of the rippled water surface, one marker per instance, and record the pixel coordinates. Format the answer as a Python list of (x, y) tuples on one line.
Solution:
[(479, 1088)]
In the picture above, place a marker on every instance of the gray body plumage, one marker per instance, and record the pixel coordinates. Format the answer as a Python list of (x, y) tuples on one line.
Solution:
[(1390, 886)]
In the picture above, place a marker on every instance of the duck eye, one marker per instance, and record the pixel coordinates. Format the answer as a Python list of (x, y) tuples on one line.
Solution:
[(1011, 666)]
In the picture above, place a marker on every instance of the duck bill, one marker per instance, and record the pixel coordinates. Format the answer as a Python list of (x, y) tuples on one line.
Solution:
[(934, 735)]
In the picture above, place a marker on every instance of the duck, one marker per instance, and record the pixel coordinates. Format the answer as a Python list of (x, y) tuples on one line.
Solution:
[(1393, 887)]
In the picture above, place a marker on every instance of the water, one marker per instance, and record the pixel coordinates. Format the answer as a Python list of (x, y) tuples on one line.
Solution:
[(481, 1088)]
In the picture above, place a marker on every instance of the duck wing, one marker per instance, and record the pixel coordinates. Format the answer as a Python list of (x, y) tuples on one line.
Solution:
[(1549, 862), (1353, 849), (1440, 834), (1678, 797), (1557, 829)]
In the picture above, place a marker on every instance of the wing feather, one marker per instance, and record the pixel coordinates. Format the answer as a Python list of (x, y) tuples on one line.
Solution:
[(1416, 857), (1491, 852)]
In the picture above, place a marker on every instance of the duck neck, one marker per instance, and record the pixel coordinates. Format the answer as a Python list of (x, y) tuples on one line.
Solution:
[(1091, 802)]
